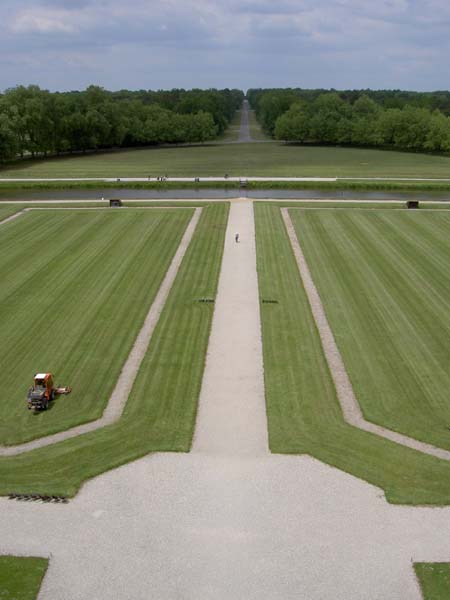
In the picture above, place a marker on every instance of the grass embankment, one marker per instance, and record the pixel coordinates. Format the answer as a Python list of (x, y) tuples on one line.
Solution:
[(160, 413), (434, 579), (304, 416), (77, 286), (238, 160), (10, 190), (21, 577), (383, 280), (351, 186)]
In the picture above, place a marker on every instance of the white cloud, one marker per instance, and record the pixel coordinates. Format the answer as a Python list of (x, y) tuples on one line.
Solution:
[(43, 21)]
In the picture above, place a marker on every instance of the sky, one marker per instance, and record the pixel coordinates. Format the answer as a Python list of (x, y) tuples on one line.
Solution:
[(164, 44)]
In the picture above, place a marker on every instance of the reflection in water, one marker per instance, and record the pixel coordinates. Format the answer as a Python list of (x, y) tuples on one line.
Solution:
[(214, 193)]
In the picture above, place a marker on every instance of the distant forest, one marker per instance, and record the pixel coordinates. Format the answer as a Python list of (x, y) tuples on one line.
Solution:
[(38, 122), (418, 121)]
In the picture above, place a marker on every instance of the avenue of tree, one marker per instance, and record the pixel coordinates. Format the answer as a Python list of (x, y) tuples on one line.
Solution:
[(37, 122), (418, 121)]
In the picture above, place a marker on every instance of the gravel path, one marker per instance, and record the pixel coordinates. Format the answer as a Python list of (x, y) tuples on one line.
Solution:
[(232, 418), (346, 396), (229, 521), (244, 130), (119, 396)]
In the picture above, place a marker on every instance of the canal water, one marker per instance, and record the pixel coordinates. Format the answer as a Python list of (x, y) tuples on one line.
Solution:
[(215, 193)]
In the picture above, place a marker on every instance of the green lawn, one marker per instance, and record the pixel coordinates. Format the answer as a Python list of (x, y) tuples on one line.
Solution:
[(434, 580), (383, 279), (160, 413), (256, 132), (77, 286), (271, 159), (8, 209), (304, 416), (232, 132), (21, 577)]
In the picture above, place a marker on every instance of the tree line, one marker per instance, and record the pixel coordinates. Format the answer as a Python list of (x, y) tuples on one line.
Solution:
[(395, 119), (38, 122)]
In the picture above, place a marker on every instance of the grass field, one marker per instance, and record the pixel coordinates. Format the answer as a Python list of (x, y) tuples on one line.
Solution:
[(21, 577), (434, 580), (77, 286), (238, 160), (161, 410), (7, 210), (256, 132), (304, 416), (232, 132), (383, 279)]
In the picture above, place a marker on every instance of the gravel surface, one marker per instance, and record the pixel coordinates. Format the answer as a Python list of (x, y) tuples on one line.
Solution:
[(198, 527), (229, 521), (244, 129), (346, 396), (119, 396), (231, 415)]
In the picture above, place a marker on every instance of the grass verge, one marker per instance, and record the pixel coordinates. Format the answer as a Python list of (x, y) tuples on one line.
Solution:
[(434, 579), (21, 577), (160, 413), (8, 187), (304, 416), (332, 186)]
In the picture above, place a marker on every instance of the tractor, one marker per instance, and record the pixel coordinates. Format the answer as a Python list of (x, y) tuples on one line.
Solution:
[(43, 391)]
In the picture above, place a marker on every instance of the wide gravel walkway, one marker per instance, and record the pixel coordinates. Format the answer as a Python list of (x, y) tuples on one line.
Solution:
[(229, 521)]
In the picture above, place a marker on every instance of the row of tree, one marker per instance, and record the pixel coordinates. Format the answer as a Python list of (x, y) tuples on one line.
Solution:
[(35, 121), (338, 118)]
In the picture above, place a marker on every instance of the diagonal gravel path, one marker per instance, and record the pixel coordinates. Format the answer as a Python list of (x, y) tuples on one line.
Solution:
[(119, 396), (14, 216), (346, 396), (229, 521)]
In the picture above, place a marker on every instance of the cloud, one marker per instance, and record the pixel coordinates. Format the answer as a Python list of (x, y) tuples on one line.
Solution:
[(158, 43), (42, 22)]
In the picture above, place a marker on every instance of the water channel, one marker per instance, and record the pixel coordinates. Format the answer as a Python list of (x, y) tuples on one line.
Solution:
[(215, 193)]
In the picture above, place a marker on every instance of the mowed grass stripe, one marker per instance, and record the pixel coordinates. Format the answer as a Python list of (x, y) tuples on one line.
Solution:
[(160, 414), (303, 412), (75, 307), (387, 303), (268, 159)]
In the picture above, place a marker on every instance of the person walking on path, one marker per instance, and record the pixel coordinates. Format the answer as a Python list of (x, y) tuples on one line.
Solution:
[(236, 238)]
